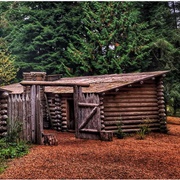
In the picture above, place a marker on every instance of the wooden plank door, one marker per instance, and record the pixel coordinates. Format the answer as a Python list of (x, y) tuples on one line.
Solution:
[(88, 124)]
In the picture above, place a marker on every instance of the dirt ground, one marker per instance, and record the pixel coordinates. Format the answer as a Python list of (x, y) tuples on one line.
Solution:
[(155, 157)]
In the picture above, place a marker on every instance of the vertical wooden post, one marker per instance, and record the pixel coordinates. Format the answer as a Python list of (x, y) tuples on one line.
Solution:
[(77, 92), (39, 116), (33, 110)]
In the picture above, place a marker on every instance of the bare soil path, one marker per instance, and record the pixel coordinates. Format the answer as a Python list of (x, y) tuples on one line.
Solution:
[(156, 157)]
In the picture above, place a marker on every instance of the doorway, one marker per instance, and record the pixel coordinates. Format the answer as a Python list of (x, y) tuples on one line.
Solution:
[(70, 115)]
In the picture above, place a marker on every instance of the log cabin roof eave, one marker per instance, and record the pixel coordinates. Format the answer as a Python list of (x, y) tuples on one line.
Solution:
[(136, 81)]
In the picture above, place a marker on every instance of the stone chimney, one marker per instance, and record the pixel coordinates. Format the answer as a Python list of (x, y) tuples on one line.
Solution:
[(34, 76)]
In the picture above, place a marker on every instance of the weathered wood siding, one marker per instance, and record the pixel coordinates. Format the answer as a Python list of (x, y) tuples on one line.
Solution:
[(19, 109), (132, 106)]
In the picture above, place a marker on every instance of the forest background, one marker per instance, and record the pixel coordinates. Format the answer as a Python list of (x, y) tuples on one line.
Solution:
[(90, 38)]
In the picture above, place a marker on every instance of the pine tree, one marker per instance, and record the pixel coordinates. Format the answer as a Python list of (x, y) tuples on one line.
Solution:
[(112, 40), (164, 18), (39, 33)]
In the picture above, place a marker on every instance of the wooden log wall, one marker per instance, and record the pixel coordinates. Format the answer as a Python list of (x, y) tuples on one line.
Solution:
[(58, 112), (3, 113), (53, 111), (132, 106), (101, 98), (161, 104), (64, 110)]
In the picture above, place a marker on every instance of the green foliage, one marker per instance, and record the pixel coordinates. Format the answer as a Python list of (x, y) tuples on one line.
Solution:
[(14, 131), (39, 32), (119, 132), (110, 40), (7, 68), (144, 130), (12, 146)]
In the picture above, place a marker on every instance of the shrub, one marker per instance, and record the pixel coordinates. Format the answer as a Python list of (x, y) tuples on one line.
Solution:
[(144, 129)]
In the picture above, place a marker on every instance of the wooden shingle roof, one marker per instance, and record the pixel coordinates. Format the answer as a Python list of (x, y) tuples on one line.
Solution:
[(98, 84), (102, 83)]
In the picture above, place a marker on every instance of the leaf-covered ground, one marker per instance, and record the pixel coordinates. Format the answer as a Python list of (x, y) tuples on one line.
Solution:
[(157, 156)]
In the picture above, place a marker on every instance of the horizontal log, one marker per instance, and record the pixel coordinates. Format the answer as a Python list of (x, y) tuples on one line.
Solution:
[(53, 83), (161, 106), (63, 114), (132, 96), (129, 126), (161, 102), (52, 109), (63, 110), (64, 127), (57, 108), (129, 122), (101, 116), (3, 111), (160, 97), (5, 94), (55, 121), (3, 128), (64, 122), (102, 112), (3, 134), (63, 106), (89, 130), (162, 110), (135, 128), (3, 106), (130, 109), (4, 117), (4, 101), (162, 114), (58, 116), (88, 104), (131, 117), (64, 118), (3, 122), (132, 104), (129, 100), (134, 93), (160, 94), (112, 114)]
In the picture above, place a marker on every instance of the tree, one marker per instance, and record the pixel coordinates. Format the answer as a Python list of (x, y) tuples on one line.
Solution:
[(39, 32), (164, 18), (7, 68), (112, 40)]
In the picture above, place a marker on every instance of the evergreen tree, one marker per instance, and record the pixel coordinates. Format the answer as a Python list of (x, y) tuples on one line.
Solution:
[(164, 18), (112, 40), (39, 33)]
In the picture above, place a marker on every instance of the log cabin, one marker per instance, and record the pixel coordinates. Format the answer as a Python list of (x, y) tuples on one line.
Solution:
[(130, 99)]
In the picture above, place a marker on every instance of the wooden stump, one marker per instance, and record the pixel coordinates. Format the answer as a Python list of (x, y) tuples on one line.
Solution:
[(106, 136), (50, 139)]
